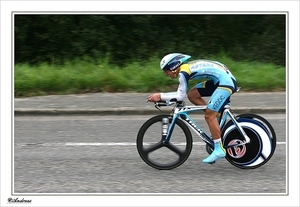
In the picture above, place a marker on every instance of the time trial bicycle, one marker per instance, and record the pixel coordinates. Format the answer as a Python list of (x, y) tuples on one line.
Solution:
[(165, 142)]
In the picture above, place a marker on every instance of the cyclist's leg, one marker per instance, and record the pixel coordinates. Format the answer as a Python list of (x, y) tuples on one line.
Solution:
[(214, 127), (215, 104), (202, 89)]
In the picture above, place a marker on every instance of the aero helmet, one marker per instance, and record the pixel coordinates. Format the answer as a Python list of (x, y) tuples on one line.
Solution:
[(173, 61)]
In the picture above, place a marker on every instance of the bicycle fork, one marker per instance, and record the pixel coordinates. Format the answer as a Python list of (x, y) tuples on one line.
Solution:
[(166, 129)]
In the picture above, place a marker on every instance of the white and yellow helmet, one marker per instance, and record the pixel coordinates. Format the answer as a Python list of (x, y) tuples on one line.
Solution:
[(173, 61)]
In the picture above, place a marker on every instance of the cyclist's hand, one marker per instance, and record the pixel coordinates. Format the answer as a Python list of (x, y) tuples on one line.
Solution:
[(154, 97)]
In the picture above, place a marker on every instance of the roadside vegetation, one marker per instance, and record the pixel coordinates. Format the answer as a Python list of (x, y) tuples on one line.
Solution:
[(85, 76)]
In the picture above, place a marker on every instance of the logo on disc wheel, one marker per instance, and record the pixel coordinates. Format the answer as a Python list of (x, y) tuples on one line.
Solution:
[(236, 151)]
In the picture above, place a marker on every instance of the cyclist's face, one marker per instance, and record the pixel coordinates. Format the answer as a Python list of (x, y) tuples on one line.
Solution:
[(170, 74)]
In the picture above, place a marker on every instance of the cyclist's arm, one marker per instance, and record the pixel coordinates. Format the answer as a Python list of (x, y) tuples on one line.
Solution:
[(180, 93)]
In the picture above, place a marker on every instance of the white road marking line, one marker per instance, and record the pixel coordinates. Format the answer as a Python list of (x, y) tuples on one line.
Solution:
[(102, 144), (123, 144), (133, 144), (106, 144)]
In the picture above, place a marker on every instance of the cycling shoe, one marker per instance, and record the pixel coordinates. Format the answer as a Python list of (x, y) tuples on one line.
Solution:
[(214, 156)]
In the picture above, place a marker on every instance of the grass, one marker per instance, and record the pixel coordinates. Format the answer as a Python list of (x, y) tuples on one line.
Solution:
[(82, 76), (256, 76)]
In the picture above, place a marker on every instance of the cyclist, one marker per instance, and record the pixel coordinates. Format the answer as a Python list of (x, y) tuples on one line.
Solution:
[(217, 82)]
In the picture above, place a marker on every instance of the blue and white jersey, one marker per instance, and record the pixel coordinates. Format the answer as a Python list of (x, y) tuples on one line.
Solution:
[(202, 70)]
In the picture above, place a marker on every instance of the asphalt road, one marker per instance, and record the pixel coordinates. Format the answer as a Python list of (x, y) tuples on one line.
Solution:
[(97, 155)]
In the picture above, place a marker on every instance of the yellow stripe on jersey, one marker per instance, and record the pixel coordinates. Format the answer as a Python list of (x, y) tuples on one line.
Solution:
[(228, 89), (185, 68)]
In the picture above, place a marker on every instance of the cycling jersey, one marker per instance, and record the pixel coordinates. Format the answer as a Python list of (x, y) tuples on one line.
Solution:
[(218, 82)]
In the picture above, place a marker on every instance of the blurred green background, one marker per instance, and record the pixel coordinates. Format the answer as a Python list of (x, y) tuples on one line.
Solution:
[(65, 54)]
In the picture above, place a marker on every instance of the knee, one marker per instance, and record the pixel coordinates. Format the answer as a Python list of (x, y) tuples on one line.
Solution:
[(207, 117), (210, 115)]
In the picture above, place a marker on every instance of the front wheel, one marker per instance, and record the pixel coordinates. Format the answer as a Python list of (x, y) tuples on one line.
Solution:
[(159, 154)]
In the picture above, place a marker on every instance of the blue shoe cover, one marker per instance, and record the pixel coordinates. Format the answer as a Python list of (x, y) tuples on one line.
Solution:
[(214, 156)]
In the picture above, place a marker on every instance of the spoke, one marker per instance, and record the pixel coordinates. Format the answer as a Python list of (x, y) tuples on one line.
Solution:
[(173, 148), (153, 147)]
